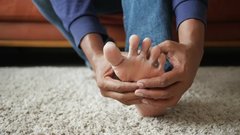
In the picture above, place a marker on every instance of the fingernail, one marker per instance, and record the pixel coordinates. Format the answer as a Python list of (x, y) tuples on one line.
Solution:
[(139, 94), (140, 85), (145, 101)]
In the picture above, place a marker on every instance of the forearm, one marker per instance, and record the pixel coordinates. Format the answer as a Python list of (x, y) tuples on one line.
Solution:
[(191, 33), (78, 18)]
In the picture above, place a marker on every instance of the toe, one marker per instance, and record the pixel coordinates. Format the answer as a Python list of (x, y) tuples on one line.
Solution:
[(112, 54), (154, 54), (133, 45), (145, 46)]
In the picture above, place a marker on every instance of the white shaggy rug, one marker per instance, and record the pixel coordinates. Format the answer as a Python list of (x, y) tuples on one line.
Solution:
[(66, 100)]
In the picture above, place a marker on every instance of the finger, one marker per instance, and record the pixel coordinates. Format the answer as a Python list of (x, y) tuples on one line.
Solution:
[(112, 54), (133, 45), (154, 94), (118, 86), (161, 61), (134, 102), (126, 98), (166, 79), (145, 47), (161, 93), (164, 103)]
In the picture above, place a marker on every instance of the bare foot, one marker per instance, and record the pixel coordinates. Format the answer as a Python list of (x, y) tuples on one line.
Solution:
[(135, 66)]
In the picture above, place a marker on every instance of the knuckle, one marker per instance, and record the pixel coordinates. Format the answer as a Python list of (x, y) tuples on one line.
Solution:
[(100, 84), (163, 81), (167, 42), (103, 93), (121, 98)]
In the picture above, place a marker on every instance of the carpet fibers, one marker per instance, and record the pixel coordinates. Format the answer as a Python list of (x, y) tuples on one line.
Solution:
[(66, 100)]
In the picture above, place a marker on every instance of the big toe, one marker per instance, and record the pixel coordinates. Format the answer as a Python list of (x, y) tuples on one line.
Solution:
[(112, 54)]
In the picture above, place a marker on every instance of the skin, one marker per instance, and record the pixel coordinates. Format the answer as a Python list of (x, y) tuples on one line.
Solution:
[(166, 90), (135, 65), (163, 91), (109, 86)]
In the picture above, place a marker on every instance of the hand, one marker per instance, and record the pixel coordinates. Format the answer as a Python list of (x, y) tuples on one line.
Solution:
[(113, 88), (185, 56), (92, 46), (167, 89)]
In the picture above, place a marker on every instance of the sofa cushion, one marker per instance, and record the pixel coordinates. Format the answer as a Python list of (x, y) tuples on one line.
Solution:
[(24, 10), (19, 10)]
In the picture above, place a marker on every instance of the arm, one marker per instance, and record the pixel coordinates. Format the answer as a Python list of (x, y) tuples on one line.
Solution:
[(78, 18), (166, 90)]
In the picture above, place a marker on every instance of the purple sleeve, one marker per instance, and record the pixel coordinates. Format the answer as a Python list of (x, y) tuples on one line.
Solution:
[(78, 17), (190, 9)]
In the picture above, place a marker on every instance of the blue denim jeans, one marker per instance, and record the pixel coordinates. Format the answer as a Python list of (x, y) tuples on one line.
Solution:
[(146, 18)]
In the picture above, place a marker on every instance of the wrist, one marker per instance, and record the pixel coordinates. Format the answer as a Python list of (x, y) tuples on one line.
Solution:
[(92, 46), (191, 33), (196, 49), (97, 61)]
